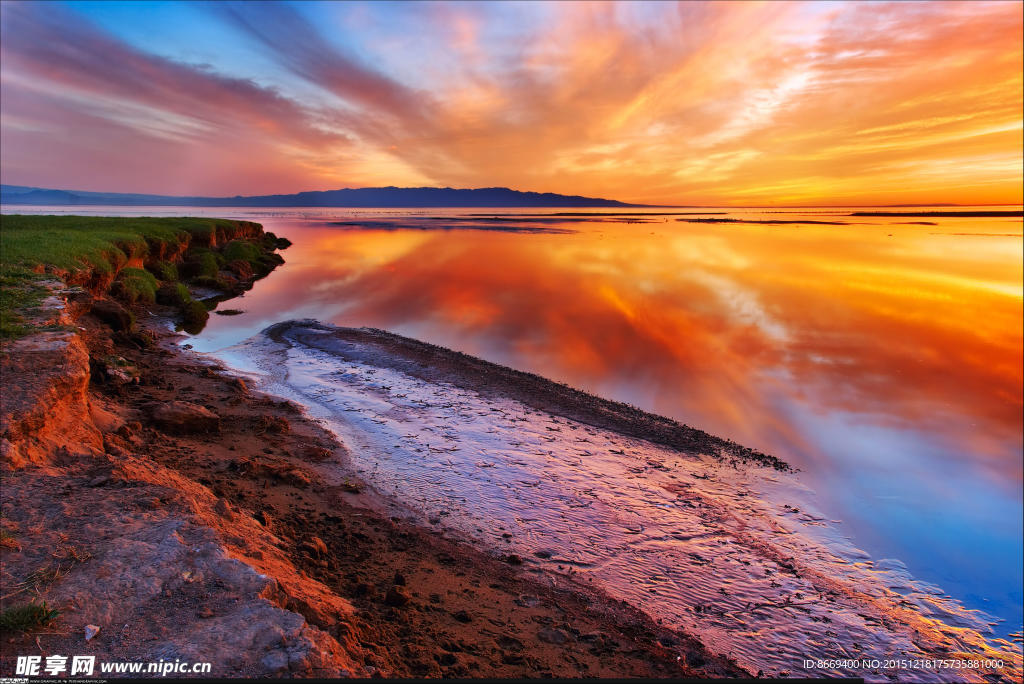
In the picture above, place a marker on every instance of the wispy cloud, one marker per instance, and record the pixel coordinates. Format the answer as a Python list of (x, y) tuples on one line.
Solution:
[(695, 102)]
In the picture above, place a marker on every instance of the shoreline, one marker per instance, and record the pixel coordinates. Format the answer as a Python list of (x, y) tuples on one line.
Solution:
[(395, 599), (291, 562), (154, 497)]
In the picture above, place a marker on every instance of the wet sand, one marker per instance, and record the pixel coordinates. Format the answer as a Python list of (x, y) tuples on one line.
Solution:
[(667, 518)]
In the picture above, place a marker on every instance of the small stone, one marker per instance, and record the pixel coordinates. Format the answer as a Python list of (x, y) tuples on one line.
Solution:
[(263, 518), (91, 631), (399, 579), (462, 616), (316, 547), (513, 559), (223, 510), (396, 597), (543, 553), (113, 314), (275, 661), (552, 636), (185, 418), (99, 481)]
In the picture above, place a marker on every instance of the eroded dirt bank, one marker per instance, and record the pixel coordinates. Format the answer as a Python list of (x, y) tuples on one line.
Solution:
[(161, 500)]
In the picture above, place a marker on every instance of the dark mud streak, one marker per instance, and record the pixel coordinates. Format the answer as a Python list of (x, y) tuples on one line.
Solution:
[(942, 214), (772, 222), (437, 364)]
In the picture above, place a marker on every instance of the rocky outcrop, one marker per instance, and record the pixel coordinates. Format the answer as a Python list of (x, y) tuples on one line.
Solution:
[(44, 408), (168, 588), (180, 417)]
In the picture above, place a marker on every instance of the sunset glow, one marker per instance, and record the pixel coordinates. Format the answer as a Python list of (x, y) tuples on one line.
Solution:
[(730, 103)]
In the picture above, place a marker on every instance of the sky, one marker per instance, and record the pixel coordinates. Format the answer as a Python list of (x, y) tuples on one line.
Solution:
[(734, 103)]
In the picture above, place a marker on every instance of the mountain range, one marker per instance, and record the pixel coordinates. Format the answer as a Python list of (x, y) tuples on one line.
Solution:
[(346, 197)]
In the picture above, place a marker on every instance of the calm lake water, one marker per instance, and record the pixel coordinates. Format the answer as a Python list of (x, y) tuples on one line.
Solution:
[(880, 355)]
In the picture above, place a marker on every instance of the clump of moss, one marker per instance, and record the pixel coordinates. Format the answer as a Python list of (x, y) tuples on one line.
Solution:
[(243, 250), (194, 316), (174, 294), (165, 271), (27, 617), (215, 282), (204, 264), (138, 285)]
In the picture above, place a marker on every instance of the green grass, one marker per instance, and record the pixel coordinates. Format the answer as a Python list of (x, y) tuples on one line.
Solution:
[(164, 271), (100, 242), (175, 294), (104, 244), (27, 617), (33, 245), (242, 250), (19, 294), (139, 285), (195, 314)]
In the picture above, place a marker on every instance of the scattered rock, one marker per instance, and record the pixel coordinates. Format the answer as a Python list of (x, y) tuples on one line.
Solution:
[(396, 597), (275, 661), (184, 418), (223, 510), (241, 268), (91, 631), (263, 518), (274, 424), (316, 453), (316, 547), (120, 376), (509, 643), (113, 314), (552, 636)]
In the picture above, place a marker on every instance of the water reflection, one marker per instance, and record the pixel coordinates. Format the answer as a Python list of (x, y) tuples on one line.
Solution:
[(883, 358)]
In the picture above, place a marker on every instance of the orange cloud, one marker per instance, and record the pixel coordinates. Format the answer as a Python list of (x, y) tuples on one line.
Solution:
[(704, 103)]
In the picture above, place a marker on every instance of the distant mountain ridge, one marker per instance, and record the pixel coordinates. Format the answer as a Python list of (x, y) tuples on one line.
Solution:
[(347, 197)]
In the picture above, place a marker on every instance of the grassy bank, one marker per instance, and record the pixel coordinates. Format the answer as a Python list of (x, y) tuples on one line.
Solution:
[(135, 259)]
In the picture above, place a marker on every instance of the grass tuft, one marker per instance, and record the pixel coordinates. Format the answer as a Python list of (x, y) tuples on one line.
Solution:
[(138, 285), (242, 250), (164, 271), (27, 617)]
